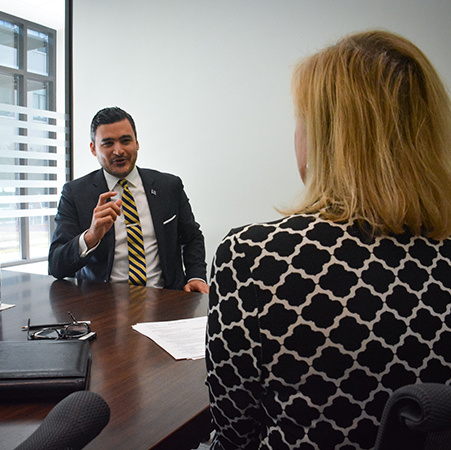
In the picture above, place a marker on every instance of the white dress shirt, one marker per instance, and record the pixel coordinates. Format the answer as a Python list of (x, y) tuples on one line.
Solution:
[(119, 272)]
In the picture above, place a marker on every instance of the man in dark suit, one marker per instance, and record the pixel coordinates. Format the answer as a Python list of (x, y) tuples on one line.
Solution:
[(90, 239)]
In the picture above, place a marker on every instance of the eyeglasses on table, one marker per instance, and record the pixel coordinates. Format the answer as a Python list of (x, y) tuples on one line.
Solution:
[(73, 330)]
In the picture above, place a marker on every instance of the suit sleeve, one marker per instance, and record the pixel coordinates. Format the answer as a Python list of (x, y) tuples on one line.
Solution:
[(64, 258), (191, 239)]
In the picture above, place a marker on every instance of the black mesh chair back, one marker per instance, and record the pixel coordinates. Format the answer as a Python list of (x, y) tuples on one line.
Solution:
[(417, 417)]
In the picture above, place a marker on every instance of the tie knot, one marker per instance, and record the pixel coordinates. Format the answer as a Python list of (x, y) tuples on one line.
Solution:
[(123, 183)]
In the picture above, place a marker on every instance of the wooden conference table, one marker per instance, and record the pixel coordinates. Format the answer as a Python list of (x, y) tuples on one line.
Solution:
[(155, 401)]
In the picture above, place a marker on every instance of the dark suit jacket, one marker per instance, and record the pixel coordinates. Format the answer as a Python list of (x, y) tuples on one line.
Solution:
[(176, 230)]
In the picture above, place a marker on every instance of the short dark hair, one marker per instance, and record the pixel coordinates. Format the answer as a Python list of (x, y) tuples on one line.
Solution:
[(110, 115)]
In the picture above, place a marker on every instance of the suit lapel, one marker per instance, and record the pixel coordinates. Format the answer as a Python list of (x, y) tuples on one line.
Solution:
[(155, 198), (98, 187)]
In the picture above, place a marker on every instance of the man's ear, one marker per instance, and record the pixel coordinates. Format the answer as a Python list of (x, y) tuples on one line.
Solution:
[(137, 145), (93, 149)]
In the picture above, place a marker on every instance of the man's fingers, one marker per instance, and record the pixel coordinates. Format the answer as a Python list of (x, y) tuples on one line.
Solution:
[(103, 198), (113, 208), (105, 221), (103, 217), (197, 286)]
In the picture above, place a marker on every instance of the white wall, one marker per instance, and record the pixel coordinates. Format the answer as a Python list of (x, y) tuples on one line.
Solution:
[(207, 82)]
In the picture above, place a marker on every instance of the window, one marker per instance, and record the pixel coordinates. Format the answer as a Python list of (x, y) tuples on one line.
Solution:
[(34, 144)]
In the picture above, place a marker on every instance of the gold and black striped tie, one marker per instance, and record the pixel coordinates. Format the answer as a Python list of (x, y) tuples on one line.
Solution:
[(136, 255)]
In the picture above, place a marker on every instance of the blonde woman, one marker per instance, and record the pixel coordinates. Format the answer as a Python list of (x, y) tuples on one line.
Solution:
[(315, 319)]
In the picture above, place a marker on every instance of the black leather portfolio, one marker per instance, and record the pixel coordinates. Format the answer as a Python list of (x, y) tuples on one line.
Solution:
[(43, 369)]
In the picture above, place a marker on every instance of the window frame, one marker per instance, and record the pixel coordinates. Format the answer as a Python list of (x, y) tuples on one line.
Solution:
[(22, 76)]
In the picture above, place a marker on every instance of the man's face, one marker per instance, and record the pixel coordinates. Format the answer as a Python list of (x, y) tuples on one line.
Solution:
[(116, 148)]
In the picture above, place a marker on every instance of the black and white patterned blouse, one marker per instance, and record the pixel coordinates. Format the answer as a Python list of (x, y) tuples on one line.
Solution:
[(312, 325)]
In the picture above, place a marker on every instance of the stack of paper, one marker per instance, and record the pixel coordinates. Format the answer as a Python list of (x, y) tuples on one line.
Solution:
[(5, 306), (183, 339)]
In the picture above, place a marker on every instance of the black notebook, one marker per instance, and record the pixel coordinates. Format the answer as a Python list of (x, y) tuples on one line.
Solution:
[(43, 369)]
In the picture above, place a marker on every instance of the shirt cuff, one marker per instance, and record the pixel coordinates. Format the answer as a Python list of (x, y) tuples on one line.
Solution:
[(200, 279), (83, 248)]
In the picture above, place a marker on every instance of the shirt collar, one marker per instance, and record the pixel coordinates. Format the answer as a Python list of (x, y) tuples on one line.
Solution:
[(111, 181)]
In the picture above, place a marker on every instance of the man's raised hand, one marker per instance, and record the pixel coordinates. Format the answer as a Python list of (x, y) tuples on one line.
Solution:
[(103, 217)]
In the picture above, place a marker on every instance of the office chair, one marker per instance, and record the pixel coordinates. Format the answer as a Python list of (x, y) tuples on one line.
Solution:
[(417, 416), (71, 424)]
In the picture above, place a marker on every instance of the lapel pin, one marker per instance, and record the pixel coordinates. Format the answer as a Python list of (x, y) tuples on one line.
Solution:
[(153, 192)]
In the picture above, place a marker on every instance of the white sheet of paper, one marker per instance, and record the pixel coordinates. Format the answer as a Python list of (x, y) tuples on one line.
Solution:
[(182, 339), (6, 306)]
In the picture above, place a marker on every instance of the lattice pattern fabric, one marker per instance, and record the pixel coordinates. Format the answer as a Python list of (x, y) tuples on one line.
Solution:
[(312, 325), (136, 255)]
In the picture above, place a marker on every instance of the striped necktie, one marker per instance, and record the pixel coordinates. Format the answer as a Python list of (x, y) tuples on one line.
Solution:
[(136, 255)]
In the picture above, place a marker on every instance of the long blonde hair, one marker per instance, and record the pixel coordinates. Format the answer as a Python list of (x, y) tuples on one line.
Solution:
[(378, 121)]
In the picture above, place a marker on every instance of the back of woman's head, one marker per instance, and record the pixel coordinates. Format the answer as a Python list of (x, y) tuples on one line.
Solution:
[(378, 123)]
